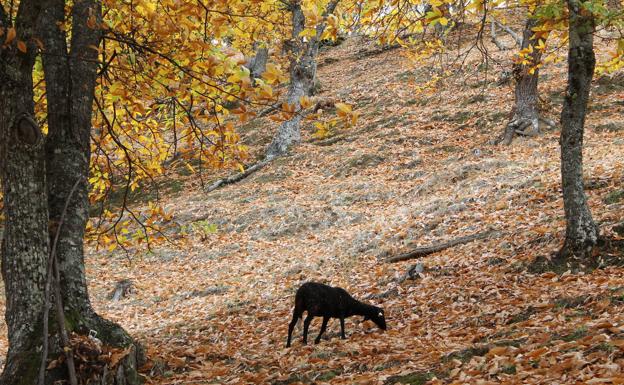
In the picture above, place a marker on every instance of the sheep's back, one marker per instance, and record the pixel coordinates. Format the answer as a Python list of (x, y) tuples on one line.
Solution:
[(322, 300)]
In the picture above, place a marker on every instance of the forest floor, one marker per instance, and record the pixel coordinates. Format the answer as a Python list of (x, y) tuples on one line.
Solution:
[(417, 169)]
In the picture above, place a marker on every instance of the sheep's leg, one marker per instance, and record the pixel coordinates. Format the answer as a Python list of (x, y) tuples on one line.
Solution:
[(323, 327), (291, 326), (306, 325), (342, 333)]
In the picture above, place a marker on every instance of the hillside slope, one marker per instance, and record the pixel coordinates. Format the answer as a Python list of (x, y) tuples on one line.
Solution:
[(417, 169)]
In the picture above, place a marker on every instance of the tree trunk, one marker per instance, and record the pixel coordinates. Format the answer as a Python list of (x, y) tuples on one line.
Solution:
[(22, 171), (70, 84), (302, 76), (581, 231), (257, 64), (525, 119)]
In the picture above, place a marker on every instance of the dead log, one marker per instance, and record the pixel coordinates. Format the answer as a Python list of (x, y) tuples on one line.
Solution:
[(426, 250)]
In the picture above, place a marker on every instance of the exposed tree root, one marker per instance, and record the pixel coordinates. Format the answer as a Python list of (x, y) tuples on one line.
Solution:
[(426, 250), (521, 127), (606, 253), (240, 176)]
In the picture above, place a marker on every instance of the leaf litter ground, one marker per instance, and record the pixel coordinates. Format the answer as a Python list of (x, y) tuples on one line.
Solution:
[(417, 169)]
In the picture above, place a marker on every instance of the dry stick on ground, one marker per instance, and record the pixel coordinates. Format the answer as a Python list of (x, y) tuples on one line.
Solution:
[(426, 250), (52, 265)]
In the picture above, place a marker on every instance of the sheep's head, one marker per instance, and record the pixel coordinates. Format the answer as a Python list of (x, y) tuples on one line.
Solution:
[(378, 317)]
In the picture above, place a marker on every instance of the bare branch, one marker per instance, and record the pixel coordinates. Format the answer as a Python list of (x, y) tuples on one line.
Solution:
[(510, 31)]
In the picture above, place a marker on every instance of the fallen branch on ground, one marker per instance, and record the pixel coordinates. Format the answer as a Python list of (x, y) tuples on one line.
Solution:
[(426, 250), (238, 177)]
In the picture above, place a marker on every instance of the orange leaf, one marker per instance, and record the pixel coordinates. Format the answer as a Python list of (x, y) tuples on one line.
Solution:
[(22, 46), (10, 35)]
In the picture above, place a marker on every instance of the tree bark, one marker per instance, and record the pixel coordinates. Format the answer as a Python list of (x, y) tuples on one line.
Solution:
[(302, 76), (581, 231), (70, 84), (22, 171), (525, 119)]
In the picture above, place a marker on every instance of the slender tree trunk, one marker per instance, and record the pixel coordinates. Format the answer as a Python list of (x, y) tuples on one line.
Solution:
[(22, 171), (257, 64), (70, 84), (581, 231), (302, 76), (525, 119)]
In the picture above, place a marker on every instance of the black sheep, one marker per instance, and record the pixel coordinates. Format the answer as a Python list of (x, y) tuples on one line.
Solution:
[(320, 300)]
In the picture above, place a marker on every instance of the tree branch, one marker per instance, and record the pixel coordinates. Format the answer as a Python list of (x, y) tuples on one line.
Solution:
[(510, 31)]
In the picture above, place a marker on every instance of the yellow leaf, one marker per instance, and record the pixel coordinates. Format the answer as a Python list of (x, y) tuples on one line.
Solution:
[(272, 74), (343, 109), (308, 32), (306, 102)]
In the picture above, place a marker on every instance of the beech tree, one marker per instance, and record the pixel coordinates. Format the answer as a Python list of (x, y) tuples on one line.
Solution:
[(525, 120), (581, 231), (302, 50), (38, 175)]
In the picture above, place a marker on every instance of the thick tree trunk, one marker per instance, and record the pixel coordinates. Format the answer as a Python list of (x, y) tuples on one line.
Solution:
[(70, 84), (525, 119), (22, 170), (302, 76), (581, 231)]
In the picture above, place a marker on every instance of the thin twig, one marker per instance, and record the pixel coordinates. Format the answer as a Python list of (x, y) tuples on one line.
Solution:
[(46, 303)]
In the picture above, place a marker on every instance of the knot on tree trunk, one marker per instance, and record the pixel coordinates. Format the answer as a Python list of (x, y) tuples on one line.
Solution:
[(26, 130)]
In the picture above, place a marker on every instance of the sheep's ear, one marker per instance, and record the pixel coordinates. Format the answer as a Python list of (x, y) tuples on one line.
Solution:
[(380, 314)]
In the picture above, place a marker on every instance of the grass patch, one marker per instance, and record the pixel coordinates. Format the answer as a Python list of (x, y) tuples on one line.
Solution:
[(458, 117), (577, 334), (479, 98), (614, 197), (416, 378), (571, 302), (609, 127), (273, 177), (292, 379), (467, 354), (445, 148), (327, 376), (509, 369)]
